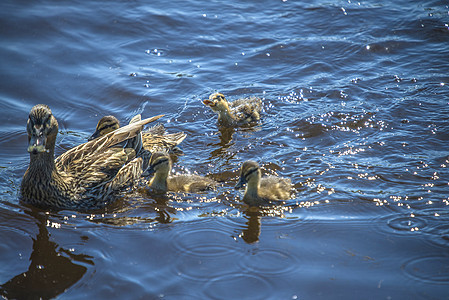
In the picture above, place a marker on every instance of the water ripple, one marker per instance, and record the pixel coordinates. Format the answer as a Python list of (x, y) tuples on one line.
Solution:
[(270, 262), (202, 269), (433, 269), (203, 241), (238, 286), (401, 224)]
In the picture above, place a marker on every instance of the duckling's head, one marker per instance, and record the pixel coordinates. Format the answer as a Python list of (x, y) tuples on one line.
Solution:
[(105, 125), (160, 163), (217, 102), (42, 129), (249, 173)]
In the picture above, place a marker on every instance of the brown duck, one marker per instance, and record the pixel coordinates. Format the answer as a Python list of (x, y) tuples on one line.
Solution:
[(85, 177)]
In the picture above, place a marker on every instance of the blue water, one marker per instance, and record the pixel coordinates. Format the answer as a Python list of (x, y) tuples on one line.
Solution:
[(356, 106)]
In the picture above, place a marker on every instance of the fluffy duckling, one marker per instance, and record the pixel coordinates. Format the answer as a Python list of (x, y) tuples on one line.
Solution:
[(160, 166), (261, 191), (85, 177), (154, 139), (236, 113)]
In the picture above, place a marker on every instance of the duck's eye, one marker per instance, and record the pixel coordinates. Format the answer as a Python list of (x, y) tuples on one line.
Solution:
[(160, 161), (251, 171), (47, 120), (106, 126)]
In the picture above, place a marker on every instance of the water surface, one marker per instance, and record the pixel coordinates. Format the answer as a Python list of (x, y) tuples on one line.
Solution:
[(355, 112)]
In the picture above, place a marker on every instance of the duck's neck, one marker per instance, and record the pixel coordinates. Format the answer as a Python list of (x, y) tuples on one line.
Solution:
[(42, 165), (41, 181), (226, 117), (252, 189), (159, 181)]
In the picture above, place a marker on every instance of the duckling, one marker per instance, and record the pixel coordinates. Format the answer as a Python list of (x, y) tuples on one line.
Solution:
[(261, 191), (85, 177), (236, 113), (154, 139), (160, 166)]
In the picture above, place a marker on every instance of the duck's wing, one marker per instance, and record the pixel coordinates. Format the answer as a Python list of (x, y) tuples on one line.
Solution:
[(135, 119), (135, 142), (92, 172), (126, 174), (94, 149)]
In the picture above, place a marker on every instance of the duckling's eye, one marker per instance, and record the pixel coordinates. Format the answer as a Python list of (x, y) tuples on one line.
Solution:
[(251, 171), (106, 126), (158, 162)]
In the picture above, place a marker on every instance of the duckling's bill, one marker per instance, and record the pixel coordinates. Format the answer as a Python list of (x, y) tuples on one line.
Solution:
[(148, 172), (208, 102), (241, 183), (96, 134)]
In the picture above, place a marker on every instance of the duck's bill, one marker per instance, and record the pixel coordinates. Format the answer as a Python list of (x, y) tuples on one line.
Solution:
[(208, 102), (94, 136), (240, 184), (37, 144), (148, 172)]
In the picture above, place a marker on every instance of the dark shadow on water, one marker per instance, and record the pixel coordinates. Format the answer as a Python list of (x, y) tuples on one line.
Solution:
[(252, 232), (225, 135), (52, 269), (160, 205)]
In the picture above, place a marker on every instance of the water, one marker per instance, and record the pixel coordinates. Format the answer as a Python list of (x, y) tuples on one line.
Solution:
[(355, 112)]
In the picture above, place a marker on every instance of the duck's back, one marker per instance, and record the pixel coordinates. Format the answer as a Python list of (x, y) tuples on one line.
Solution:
[(275, 188), (247, 109), (190, 183)]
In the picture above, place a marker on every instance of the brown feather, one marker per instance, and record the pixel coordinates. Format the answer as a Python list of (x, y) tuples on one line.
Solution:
[(85, 177)]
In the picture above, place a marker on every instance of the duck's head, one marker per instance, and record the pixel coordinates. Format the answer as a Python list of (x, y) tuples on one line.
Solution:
[(42, 129), (249, 173), (105, 125), (217, 102), (160, 163)]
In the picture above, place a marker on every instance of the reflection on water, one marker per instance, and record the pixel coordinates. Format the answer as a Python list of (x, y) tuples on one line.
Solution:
[(52, 269), (252, 232), (254, 217)]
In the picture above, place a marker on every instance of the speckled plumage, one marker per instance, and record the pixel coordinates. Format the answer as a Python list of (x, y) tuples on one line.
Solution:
[(85, 177), (236, 113), (262, 190), (162, 181)]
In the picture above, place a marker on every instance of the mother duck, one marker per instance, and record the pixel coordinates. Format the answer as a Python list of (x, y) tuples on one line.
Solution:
[(88, 176)]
